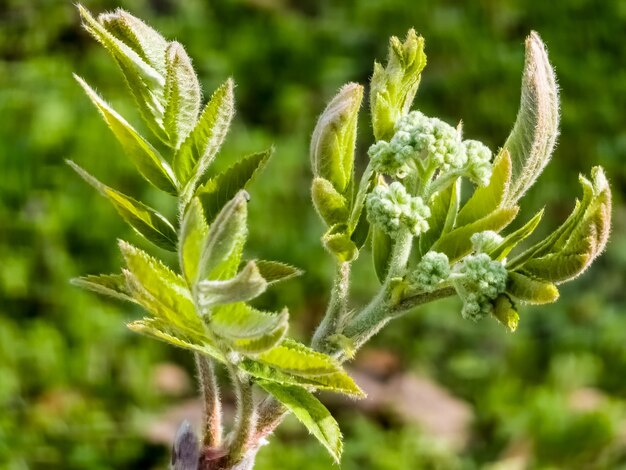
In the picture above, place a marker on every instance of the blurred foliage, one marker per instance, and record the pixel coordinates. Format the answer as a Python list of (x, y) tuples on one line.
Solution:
[(76, 387)]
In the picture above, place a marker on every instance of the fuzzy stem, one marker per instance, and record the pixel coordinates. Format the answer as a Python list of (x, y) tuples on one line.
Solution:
[(337, 306), (210, 392), (245, 426)]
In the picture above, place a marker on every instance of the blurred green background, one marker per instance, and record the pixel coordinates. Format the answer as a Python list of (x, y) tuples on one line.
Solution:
[(79, 391)]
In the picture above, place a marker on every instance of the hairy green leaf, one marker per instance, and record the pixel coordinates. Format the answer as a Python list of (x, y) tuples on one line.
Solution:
[(146, 83), (247, 285), (113, 285), (334, 138), (143, 155), (513, 239), (144, 220), (137, 35), (193, 235), (295, 358), (182, 95), (531, 291), (338, 382), (331, 206), (274, 271), (311, 412), (536, 128), (198, 150), (505, 312), (338, 242), (223, 187), (221, 253)]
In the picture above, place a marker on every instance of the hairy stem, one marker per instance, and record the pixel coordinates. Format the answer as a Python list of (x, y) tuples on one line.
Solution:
[(209, 390), (245, 425), (337, 306)]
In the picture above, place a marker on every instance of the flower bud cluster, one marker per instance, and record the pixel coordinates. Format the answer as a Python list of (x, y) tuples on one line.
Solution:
[(421, 137), (392, 209), (484, 242), (480, 281), (432, 269)]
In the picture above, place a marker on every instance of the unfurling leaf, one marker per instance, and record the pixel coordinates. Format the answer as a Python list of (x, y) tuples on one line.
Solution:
[(198, 150), (274, 271), (193, 234), (137, 35), (334, 138), (536, 128), (570, 249), (247, 285), (182, 95), (331, 206), (113, 285), (488, 198), (311, 412), (393, 87), (222, 187), (143, 219), (505, 312), (146, 83), (221, 253), (531, 291), (338, 242), (143, 155), (248, 330)]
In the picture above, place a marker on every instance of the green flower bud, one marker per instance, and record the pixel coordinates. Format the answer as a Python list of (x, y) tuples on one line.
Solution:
[(484, 242), (334, 137), (432, 269), (393, 209), (478, 162)]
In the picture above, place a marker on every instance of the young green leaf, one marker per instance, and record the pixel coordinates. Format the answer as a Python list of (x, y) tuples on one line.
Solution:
[(531, 291), (248, 330), (247, 285), (221, 253), (143, 155), (393, 87), (331, 206), (193, 234), (113, 285), (536, 128), (160, 330), (146, 83), (182, 95), (137, 35), (488, 198), (338, 242), (311, 412), (166, 287), (198, 150), (295, 358), (338, 382), (505, 312), (443, 211), (457, 243), (218, 190), (513, 239), (143, 219), (274, 271), (334, 138)]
